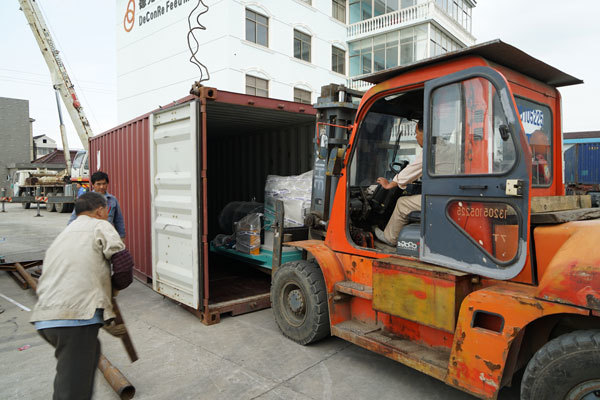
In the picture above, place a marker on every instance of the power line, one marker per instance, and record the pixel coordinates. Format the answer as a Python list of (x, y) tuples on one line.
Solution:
[(46, 75), (47, 83)]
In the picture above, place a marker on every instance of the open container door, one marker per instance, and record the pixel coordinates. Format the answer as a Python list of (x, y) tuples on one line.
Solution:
[(476, 176), (175, 198)]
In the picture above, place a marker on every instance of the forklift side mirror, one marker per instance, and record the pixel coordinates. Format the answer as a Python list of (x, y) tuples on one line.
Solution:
[(504, 132)]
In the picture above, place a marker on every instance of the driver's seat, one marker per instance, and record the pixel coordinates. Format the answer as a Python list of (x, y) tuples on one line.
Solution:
[(410, 236), (414, 216)]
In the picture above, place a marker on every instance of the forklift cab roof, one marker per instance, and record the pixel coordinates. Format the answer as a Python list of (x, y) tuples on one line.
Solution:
[(495, 51)]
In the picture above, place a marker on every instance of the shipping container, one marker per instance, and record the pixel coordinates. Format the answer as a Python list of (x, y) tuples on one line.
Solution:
[(582, 164), (173, 171)]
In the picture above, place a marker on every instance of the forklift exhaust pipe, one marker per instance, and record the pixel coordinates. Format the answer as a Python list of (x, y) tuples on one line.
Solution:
[(113, 376)]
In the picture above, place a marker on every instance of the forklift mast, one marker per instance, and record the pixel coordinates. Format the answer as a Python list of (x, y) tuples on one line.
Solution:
[(336, 111)]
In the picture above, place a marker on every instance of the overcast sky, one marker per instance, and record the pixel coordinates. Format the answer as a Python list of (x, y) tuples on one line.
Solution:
[(562, 34)]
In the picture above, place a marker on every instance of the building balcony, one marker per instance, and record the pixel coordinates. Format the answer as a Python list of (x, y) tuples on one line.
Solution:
[(358, 85), (409, 16)]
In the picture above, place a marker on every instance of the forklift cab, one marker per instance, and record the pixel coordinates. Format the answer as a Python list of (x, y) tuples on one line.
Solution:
[(480, 163)]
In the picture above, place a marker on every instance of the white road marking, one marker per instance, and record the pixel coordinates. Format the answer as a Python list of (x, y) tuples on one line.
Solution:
[(16, 303)]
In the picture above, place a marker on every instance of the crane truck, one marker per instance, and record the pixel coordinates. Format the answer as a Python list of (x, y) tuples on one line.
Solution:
[(58, 192)]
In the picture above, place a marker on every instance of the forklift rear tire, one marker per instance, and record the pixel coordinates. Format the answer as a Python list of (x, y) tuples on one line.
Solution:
[(565, 368), (26, 205), (299, 301)]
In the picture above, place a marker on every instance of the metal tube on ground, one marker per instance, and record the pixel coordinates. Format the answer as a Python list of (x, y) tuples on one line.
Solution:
[(116, 379), (113, 376)]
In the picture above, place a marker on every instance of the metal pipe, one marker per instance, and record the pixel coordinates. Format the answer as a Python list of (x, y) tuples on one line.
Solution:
[(116, 379), (113, 376)]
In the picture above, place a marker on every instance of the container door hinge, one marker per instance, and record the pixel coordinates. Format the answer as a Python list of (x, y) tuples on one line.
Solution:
[(514, 187)]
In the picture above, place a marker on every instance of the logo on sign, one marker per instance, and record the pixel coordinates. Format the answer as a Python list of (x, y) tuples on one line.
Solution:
[(532, 119), (129, 19), (408, 245)]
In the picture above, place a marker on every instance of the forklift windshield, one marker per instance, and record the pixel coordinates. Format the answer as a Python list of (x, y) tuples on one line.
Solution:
[(386, 139)]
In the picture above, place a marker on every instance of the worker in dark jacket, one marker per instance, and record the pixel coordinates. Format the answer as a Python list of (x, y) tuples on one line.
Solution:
[(115, 216)]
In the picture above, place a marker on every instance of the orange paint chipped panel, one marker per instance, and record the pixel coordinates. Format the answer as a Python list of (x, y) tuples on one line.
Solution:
[(573, 274), (479, 351), (416, 331), (357, 269)]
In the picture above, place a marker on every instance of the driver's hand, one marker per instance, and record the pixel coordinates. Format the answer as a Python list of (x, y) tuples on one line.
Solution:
[(384, 183)]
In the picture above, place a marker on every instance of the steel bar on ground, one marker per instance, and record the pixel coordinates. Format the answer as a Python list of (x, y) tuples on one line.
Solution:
[(116, 379), (126, 339)]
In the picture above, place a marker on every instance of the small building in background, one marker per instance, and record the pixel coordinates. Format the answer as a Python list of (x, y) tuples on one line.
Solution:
[(15, 136), (43, 145)]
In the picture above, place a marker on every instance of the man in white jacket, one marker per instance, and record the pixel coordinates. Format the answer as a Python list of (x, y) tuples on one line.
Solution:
[(74, 295), (405, 204)]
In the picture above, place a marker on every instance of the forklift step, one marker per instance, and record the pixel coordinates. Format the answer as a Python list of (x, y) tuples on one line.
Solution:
[(430, 360), (355, 289)]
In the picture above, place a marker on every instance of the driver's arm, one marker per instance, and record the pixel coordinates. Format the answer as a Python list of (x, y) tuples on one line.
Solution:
[(410, 173)]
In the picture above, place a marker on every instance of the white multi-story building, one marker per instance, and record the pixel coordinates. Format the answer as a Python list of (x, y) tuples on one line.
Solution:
[(384, 34), (284, 49)]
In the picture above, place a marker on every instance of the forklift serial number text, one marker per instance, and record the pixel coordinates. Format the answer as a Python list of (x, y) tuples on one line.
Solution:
[(487, 212)]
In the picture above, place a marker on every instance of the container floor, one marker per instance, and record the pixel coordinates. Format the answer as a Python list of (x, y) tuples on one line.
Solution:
[(234, 280)]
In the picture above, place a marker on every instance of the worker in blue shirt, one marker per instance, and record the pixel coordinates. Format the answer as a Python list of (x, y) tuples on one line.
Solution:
[(115, 216)]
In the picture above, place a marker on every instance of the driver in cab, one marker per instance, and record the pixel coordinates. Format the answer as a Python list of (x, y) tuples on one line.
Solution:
[(405, 204)]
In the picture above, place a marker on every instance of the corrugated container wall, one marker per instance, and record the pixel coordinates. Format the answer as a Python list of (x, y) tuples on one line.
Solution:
[(123, 153), (582, 164)]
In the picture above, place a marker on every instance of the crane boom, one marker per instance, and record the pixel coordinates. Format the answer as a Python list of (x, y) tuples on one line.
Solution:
[(60, 78)]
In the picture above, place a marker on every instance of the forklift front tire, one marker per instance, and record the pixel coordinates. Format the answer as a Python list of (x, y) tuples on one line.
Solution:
[(299, 301), (565, 368), (26, 205)]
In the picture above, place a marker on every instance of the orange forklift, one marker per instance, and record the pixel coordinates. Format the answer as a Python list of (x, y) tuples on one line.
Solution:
[(497, 278)]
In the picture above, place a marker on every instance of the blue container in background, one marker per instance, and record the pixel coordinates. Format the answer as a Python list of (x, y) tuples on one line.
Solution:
[(582, 164)]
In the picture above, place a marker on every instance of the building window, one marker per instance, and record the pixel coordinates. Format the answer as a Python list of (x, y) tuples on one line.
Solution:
[(302, 96), (441, 43), (388, 50), (385, 51), (381, 7), (257, 28), (459, 10), (257, 86), (360, 10), (338, 60), (339, 10), (301, 45)]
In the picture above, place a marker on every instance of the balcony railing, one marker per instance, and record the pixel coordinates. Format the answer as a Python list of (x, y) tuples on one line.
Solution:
[(403, 16), (406, 16), (358, 85)]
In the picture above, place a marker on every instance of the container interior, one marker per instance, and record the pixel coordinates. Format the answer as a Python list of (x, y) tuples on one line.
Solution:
[(245, 144)]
